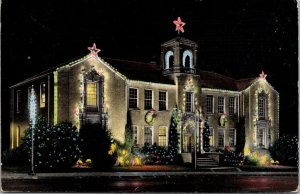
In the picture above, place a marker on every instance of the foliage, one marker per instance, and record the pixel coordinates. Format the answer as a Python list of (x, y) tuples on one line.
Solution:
[(285, 150), (205, 135), (15, 156), (240, 135), (156, 155), (55, 147), (258, 157), (96, 144), (129, 133), (232, 158), (80, 164), (173, 136)]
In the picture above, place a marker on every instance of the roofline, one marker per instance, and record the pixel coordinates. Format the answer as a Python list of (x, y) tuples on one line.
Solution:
[(256, 80), (222, 90), (145, 82), (225, 76)]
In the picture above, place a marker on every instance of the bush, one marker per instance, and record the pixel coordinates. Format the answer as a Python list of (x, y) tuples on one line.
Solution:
[(258, 157), (285, 150), (15, 157), (55, 147), (155, 155), (231, 158), (96, 144)]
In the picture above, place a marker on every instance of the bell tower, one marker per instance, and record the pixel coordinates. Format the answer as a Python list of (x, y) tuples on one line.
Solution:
[(179, 56)]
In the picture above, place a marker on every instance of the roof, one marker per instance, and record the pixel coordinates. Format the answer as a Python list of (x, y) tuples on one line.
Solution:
[(152, 72), (148, 72)]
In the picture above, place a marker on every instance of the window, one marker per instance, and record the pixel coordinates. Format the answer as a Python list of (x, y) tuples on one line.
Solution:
[(162, 100), (18, 100), (220, 104), (232, 105), (133, 98), (262, 106), (162, 136), (187, 59), (148, 99), (221, 142), (42, 95), (231, 137), (209, 104), (148, 135), (135, 135), (211, 136), (189, 102), (169, 59), (91, 94)]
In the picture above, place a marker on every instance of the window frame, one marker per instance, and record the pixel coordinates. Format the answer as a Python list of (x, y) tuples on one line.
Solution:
[(137, 98), (211, 137), (43, 86), (148, 100), (160, 101), (212, 104), (230, 138), (223, 132), (221, 105), (96, 94), (150, 133), (18, 101), (232, 105), (191, 103), (165, 136)]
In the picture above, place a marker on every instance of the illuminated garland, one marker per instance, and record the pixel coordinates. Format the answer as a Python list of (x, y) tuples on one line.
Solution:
[(32, 108)]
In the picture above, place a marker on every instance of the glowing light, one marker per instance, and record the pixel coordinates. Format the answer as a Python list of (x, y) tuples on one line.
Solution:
[(179, 25), (55, 75), (94, 50), (32, 107), (262, 75)]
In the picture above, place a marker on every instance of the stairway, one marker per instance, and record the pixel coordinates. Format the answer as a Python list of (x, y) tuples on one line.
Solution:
[(205, 162)]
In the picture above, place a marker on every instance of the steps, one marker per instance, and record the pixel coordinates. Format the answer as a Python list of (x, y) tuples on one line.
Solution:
[(204, 162)]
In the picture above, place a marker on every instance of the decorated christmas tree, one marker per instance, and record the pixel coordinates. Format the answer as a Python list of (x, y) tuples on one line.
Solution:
[(240, 135), (205, 135), (129, 133), (173, 136)]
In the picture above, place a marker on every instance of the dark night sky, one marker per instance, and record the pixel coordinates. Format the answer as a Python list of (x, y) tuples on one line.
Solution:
[(236, 38)]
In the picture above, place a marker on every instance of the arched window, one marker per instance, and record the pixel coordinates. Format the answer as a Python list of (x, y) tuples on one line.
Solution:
[(169, 59), (262, 105), (187, 59)]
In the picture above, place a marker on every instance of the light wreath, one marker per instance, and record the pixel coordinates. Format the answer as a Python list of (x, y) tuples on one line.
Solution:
[(150, 117)]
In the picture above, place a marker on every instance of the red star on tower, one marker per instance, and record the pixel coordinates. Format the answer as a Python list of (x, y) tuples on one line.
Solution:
[(179, 25), (263, 75), (94, 50)]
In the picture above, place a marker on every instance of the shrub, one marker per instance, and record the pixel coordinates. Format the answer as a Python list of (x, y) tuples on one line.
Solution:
[(55, 147), (258, 157), (285, 150), (155, 155), (96, 144), (231, 158), (15, 157)]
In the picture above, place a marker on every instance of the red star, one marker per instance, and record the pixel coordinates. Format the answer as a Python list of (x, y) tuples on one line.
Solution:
[(179, 25), (263, 75), (94, 50)]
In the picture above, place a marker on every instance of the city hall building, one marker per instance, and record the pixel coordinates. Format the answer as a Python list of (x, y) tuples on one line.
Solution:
[(102, 90)]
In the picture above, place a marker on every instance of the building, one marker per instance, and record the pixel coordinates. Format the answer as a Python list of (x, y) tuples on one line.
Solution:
[(95, 89)]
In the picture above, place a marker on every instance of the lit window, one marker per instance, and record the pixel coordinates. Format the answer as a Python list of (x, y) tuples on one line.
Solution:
[(162, 100), (133, 98), (262, 106), (135, 136), (42, 95), (220, 104), (211, 136), (18, 100), (221, 137), (91, 94), (209, 104), (231, 137), (189, 102), (162, 136), (148, 135), (232, 105), (148, 99)]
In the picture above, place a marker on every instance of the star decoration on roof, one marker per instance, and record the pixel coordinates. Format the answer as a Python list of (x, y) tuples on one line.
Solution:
[(262, 75), (179, 25), (94, 50)]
